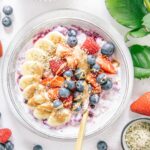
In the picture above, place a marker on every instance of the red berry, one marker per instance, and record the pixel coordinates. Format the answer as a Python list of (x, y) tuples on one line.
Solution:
[(5, 135), (58, 66), (57, 81), (67, 102), (105, 64), (90, 46), (142, 105)]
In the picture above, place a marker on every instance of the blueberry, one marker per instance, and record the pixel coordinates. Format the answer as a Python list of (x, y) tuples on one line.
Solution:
[(7, 10), (68, 74), (77, 96), (64, 93), (70, 84), (72, 32), (95, 68), (94, 99), (80, 74), (91, 59), (2, 146), (102, 145), (6, 21), (72, 41), (9, 145), (101, 78), (37, 147), (57, 103), (108, 49), (80, 85), (107, 85)]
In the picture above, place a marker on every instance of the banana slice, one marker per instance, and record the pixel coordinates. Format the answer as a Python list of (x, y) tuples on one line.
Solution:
[(41, 114), (56, 37), (32, 68), (36, 54), (29, 91), (48, 106), (37, 99), (45, 45), (28, 80), (59, 117)]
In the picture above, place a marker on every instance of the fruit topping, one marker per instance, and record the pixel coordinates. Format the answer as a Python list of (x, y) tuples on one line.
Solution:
[(90, 46), (58, 66), (70, 84), (94, 99), (107, 85), (64, 92), (105, 64), (80, 74), (72, 41), (108, 49), (91, 59), (80, 85)]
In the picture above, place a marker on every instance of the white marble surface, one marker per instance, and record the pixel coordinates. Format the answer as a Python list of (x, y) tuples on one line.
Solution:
[(24, 10)]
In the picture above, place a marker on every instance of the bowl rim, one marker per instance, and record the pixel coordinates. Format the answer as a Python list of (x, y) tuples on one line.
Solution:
[(119, 40), (126, 127)]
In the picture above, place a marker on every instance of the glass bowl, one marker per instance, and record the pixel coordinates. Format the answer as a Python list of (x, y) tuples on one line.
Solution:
[(65, 17)]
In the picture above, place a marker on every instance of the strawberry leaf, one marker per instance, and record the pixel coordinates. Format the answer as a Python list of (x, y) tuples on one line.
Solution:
[(137, 33), (146, 22), (127, 12), (141, 60)]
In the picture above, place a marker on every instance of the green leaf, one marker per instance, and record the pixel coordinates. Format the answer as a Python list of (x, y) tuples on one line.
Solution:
[(127, 12), (137, 33), (146, 22), (147, 4), (141, 73), (141, 60)]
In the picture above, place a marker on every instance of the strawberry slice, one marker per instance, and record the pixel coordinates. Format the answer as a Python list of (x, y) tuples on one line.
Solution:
[(57, 81), (53, 93), (105, 64), (142, 105), (46, 81), (5, 135), (90, 46), (67, 102), (58, 66), (1, 49)]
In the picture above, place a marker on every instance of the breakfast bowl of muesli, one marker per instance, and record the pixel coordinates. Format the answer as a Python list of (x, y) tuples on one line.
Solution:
[(61, 63)]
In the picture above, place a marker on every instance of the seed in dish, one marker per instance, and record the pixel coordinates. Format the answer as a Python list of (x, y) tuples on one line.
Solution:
[(65, 69)]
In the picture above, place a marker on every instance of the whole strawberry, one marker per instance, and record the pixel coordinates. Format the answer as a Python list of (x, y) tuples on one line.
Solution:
[(142, 105), (5, 134)]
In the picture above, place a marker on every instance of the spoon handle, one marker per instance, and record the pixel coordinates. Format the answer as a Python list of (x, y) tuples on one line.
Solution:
[(81, 132)]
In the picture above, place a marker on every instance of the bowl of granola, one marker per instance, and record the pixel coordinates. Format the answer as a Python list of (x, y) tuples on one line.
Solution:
[(61, 63)]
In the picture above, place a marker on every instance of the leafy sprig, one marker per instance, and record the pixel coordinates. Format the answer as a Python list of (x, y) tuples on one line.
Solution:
[(134, 14)]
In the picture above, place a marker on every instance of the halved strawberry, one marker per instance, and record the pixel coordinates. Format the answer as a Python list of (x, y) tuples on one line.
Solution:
[(105, 64), (142, 105), (58, 66), (1, 49), (67, 102), (57, 81), (53, 93), (90, 46), (5, 135)]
